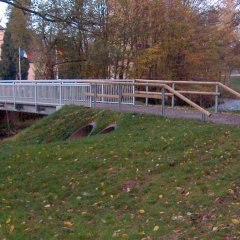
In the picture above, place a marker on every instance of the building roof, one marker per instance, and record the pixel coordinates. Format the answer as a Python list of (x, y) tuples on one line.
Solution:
[(1, 28)]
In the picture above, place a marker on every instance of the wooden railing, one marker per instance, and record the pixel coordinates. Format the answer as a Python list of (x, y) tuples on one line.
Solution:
[(141, 94), (216, 93), (167, 89)]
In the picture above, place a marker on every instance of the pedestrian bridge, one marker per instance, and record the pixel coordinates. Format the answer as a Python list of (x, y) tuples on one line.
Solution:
[(47, 96)]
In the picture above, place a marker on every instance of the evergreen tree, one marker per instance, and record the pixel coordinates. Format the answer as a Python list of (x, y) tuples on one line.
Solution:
[(8, 68), (16, 35)]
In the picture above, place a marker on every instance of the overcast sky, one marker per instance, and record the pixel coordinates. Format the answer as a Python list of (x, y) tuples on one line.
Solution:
[(3, 7)]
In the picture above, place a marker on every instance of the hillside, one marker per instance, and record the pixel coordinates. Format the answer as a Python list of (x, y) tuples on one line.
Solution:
[(151, 178)]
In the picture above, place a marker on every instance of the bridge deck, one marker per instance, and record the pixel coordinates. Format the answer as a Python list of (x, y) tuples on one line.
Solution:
[(220, 117), (47, 96)]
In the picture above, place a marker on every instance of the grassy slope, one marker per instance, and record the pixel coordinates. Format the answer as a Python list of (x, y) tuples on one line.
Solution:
[(235, 83), (177, 177)]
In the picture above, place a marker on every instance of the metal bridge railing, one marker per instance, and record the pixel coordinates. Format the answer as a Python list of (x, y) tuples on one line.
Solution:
[(58, 92), (90, 92)]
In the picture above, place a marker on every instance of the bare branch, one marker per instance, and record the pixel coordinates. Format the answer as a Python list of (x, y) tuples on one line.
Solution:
[(45, 16)]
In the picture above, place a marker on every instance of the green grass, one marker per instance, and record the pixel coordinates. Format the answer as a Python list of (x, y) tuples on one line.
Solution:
[(184, 174), (235, 83)]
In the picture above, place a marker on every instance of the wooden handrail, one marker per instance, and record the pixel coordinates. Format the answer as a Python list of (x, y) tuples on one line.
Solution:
[(229, 90), (153, 93), (160, 83), (171, 90), (142, 82), (191, 103), (200, 93), (164, 83), (193, 83), (177, 82)]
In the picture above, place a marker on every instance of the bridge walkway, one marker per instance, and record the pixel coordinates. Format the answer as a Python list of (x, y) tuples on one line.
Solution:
[(228, 118), (47, 96)]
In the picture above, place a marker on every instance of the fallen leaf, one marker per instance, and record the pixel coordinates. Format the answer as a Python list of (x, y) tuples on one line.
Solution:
[(98, 203), (231, 191), (11, 228), (180, 218), (215, 229), (156, 228), (187, 194), (180, 189), (68, 224), (142, 211), (8, 221), (235, 221)]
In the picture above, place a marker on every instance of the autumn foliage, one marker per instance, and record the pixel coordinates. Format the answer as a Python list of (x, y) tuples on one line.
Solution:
[(160, 39)]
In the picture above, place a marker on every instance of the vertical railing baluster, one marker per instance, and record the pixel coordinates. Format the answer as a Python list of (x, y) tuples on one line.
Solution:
[(173, 97), (163, 101), (14, 95), (134, 93), (35, 93), (90, 98), (119, 96), (216, 97), (146, 99), (95, 95), (102, 93), (60, 91)]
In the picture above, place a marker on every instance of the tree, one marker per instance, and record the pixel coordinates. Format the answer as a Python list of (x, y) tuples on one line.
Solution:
[(17, 35), (167, 39), (60, 37), (8, 68), (186, 41)]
